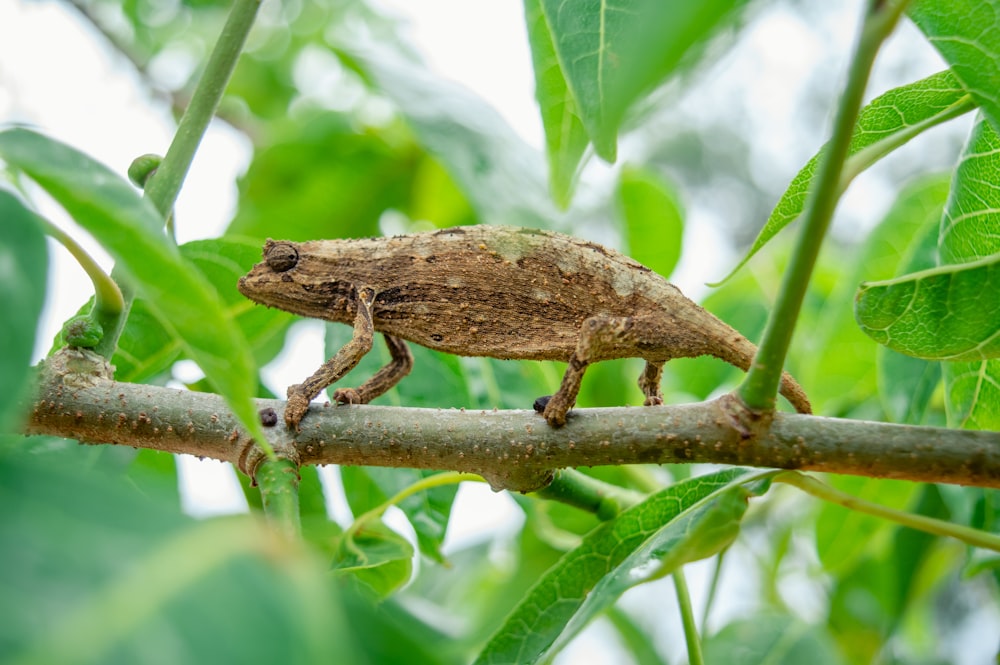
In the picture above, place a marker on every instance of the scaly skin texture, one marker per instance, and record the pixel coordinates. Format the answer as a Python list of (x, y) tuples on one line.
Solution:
[(496, 291)]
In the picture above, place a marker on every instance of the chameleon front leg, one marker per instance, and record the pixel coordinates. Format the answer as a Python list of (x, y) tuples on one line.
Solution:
[(335, 368), (399, 366), (598, 335)]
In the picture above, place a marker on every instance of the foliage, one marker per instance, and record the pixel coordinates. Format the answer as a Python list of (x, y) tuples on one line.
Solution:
[(100, 564)]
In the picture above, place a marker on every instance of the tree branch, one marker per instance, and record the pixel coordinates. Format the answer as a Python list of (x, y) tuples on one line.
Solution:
[(512, 450)]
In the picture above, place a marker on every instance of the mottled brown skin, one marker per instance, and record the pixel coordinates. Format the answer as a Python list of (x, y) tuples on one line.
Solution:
[(496, 291)]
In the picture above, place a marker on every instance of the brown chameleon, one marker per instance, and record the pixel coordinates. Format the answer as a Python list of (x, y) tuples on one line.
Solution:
[(496, 291)]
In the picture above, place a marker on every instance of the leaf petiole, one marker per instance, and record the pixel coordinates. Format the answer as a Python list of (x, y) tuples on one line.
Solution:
[(108, 299), (820, 490)]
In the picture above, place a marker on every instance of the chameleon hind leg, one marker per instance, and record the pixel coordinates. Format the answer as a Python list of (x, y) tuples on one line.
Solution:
[(649, 383), (604, 338), (399, 365)]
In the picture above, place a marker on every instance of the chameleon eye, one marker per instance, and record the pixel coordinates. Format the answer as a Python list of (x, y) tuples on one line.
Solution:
[(281, 256)]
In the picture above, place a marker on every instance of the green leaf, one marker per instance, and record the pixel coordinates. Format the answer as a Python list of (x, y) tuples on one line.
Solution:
[(970, 226), (130, 229), (936, 314), (23, 273), (378, 558), (565, 137), (654, 221), (970, 230), (428, 511), (886, 123), (972, 394), (96, 571), (962, 32), (146, 349), (687, 521), (771, 638), (611, 53), (502, 176), (906, 384), (321, 178)]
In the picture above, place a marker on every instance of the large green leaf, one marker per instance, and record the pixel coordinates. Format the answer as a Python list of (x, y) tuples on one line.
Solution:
[(970, 230), (964, 32), (688, 521), (23, 273), (130, 229), (565, 137), (970, 226), (884, 124), (906, 384), (321, 178), (502, 176), (937, 314), (654, 221), (96, 571), (611, 53)]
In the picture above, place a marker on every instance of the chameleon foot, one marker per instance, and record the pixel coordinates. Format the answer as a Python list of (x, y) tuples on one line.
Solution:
[(347, 396), (295, 409), (555, 411)]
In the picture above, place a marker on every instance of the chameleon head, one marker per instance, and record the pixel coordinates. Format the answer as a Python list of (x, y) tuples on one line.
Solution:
[(292, 277), (267, 281)]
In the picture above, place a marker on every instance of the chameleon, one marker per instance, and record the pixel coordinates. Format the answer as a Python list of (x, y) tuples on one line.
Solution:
[(497, 291)]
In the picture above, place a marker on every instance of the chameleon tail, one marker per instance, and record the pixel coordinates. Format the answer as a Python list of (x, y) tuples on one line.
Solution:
[(739, 351), (794, 393)]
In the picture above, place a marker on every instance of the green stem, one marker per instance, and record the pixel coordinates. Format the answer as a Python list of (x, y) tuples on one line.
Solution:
[(108, 299), (695, 656), (576, 489), (430, 482), (111, 301), (760, 386), (967, 535), (279, 491), (165, 184), (713, 588)]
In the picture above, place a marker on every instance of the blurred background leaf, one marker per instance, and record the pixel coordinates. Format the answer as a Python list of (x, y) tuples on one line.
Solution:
[(23, 270)]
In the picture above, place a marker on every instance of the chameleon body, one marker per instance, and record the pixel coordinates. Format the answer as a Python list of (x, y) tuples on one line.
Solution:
[(496, 291)]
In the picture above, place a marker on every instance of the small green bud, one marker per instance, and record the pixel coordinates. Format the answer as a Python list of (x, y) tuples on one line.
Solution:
[(82, 332), (142, 168)]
